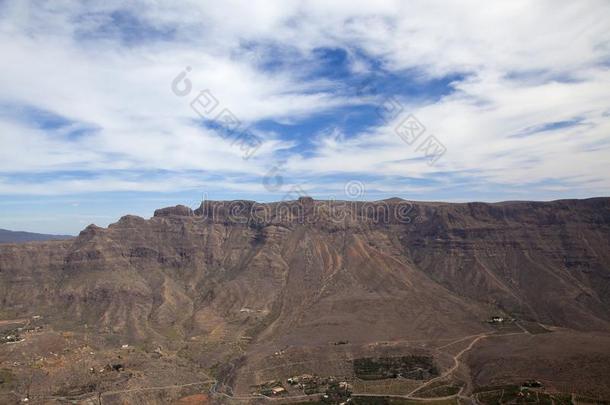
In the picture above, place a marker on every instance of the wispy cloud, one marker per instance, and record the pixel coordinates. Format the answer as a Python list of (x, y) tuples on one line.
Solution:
[(517, 91)]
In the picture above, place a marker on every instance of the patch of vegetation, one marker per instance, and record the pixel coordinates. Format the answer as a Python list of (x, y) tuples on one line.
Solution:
[(312, 384), (356, 400), (6, 379), (337, 393), (397, 386), (438, 392), (370, 400), (513, 394), (587, 400), (545, 399), (497, 394), (506, 327), (562, 399), (410, 367), (488, 388), (11, 335)]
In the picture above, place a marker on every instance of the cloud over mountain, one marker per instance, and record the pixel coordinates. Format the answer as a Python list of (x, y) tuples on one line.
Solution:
[(516, 93)]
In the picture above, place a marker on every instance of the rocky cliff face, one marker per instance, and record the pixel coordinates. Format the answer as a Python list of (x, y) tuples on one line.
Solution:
[(315, 271)]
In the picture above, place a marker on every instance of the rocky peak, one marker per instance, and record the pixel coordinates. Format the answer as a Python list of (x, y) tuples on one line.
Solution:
[(178, 210)]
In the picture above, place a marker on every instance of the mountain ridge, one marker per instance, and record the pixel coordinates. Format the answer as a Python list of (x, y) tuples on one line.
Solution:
[(8, 236), (234, 282)]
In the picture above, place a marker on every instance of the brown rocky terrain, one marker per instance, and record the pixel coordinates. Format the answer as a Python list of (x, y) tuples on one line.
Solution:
[(242, 292)]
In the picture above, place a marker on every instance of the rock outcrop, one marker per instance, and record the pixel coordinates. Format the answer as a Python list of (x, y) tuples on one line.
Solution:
[(178, 210)]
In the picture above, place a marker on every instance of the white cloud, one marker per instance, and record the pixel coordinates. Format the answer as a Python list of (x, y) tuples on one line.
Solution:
[(528, 64)]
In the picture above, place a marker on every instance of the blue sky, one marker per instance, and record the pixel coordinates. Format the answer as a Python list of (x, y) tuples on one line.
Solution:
[(109, 109)]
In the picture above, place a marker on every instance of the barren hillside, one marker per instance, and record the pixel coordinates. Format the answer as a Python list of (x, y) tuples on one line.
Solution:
[(233, 282)]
